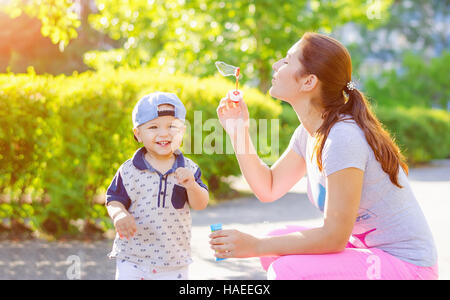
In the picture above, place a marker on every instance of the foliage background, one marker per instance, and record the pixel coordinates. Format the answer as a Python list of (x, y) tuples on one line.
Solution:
[(72, 71)]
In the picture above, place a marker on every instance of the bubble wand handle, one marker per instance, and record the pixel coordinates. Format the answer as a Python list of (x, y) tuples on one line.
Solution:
[(236, 95), (238, 71)]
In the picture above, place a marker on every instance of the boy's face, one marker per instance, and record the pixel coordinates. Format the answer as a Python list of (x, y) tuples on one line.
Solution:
[(161, 136)]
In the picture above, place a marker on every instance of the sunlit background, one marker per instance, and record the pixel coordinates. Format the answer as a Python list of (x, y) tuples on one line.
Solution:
[(72, 71)]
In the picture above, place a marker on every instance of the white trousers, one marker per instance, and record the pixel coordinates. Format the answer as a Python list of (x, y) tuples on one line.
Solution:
[(126, 270)]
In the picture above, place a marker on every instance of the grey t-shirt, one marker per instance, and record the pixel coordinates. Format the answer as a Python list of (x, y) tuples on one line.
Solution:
[(389, 217)]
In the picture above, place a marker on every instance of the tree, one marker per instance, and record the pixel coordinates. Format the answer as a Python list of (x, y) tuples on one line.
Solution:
[(59, 17), (191, 35), (29, 37), (414, 25)]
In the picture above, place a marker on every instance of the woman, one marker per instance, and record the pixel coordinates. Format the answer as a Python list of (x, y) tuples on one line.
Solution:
[(373, 227)]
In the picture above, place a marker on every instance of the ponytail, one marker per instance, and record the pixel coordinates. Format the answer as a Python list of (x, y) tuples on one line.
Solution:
[(385, 150)]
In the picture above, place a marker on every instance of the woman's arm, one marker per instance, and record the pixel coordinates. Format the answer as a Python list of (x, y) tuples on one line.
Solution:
[(268, 184), (344, 189)]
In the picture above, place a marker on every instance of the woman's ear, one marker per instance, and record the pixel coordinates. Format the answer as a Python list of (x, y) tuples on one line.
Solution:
[(309, 83)]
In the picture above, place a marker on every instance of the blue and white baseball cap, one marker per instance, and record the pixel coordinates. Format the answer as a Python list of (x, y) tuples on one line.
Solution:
[(147, 108)]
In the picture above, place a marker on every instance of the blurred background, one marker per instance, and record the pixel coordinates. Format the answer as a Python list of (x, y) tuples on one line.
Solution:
[(71, 72)]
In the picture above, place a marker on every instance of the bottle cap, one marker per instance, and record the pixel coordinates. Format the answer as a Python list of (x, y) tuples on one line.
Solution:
[(235, 95)]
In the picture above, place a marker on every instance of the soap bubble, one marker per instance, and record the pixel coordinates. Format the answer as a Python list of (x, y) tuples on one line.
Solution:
[(227, 70)]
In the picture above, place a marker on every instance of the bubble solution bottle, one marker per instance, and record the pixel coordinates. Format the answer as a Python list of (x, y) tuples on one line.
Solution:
[(215, 227)]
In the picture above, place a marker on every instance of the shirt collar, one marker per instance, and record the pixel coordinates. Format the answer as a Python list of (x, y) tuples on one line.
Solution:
[(141, 163)]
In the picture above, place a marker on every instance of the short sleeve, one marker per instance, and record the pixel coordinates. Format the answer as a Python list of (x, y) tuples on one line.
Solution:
[(198, 179), (298, 141), (197, 172), (345, 147), (117, 192)]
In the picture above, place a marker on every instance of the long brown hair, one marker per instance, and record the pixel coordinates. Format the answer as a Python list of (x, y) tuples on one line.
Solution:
[(330, 61)]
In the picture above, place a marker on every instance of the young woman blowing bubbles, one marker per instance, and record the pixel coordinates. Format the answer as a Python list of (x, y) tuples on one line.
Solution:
[(373, 226)]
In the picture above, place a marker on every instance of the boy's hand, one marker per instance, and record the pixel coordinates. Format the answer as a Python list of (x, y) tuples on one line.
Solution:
[(184, 177), (125, 225)]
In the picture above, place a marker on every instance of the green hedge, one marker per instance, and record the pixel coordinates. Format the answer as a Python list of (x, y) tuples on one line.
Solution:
[(422, 134), (419, 82), (63, 138)]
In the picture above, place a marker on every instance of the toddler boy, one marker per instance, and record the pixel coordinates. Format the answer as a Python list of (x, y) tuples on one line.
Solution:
[(150, 195)]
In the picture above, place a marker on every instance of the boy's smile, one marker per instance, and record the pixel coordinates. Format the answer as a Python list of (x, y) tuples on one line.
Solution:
[(164, 143)]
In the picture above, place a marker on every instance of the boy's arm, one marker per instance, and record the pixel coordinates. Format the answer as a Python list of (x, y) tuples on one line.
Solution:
[(123, 221), (198, 195), (114, 208), (117, 204)]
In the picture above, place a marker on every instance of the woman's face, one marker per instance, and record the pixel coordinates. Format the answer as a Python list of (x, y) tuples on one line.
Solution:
[(285, 85)]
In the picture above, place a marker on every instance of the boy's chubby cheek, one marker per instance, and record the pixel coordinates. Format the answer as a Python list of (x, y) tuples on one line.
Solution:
[(177, 140)]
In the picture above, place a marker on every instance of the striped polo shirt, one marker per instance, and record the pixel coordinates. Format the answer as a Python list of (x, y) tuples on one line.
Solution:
[(160, 209)]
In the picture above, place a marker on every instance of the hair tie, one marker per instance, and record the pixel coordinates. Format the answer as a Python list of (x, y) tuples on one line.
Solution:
[(351, 86)]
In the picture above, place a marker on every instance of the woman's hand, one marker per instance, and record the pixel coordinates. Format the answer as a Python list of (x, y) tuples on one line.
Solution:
[(233, 116), (233, 243)]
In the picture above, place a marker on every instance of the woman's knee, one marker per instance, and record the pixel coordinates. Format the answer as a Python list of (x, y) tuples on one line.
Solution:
[(299, 267), (284, 269)]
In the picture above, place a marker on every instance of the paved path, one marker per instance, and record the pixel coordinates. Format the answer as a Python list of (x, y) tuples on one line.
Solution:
[(41, 260)]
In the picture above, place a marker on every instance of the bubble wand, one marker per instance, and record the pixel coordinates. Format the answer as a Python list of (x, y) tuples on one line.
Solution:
[(229, 70)]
